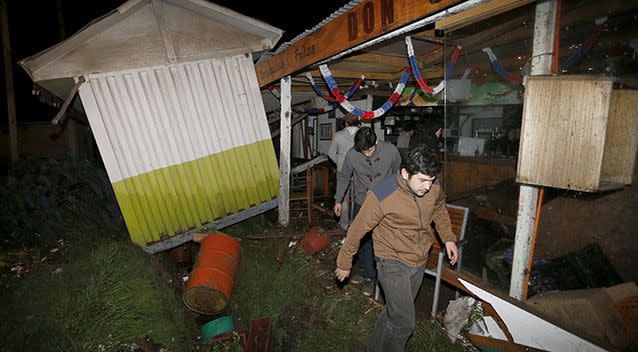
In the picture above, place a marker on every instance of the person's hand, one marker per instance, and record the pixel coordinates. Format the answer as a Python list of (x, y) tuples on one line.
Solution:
[(337, 209), (342, 274), (452, 252)]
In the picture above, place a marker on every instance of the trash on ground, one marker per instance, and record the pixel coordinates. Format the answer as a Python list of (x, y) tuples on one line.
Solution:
[(216, 327), (19, 269), (464, 313), (259, 335), (314, 242)]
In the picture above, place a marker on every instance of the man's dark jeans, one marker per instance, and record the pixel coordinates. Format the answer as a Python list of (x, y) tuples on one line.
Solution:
[(396, 322), (365, 255)]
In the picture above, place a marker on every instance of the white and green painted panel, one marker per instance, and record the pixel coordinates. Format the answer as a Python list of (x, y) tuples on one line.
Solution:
[(184, 144)]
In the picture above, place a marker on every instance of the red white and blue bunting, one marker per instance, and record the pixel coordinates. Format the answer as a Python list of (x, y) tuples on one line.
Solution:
[(572, 59), (417, 74), (339, 99), (326, 96), (319, 111), (587, 44), (496, 65), (343, 101)]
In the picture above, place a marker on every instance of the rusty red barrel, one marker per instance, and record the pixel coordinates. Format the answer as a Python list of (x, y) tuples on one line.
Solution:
[(182, 254), (314, 242), (212, 280)]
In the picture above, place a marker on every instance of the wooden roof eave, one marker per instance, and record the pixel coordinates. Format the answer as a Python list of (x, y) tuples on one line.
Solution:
[(325, 44)]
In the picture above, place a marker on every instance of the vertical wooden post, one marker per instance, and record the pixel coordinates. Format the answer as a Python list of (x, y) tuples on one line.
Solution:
[(542, 51), (528, 195), (306, 138), (8, 78), (284, 152)]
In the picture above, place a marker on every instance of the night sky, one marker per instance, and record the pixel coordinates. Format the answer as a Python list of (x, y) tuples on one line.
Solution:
[(34, 26)]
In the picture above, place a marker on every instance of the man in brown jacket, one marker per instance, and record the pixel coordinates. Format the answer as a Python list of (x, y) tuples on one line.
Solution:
[(399, 211)]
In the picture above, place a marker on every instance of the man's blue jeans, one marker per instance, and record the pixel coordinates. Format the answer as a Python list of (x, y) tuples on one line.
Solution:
[(396, 322), (365, 255)]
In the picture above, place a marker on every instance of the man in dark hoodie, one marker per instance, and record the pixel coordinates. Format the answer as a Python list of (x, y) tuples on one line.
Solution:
[(367, 163), (399, 211)]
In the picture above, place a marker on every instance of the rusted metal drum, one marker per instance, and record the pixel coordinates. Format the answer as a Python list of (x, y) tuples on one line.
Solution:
[(182, 254), (314, 242), (211, 282)]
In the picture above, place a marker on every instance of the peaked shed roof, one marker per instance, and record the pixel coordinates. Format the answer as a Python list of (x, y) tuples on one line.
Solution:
[(147, 33)]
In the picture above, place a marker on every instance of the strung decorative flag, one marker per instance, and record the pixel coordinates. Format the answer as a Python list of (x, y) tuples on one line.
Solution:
[(593, 37), (327, 97), (343, 101), (417, 74), (496, 65), (413, 95), (319, 111)]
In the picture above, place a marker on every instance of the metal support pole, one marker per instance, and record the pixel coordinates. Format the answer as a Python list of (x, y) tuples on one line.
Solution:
[(528, 195), (437, 282)]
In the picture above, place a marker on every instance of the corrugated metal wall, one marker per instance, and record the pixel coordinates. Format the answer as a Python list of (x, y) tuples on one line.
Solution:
[(183, 145)]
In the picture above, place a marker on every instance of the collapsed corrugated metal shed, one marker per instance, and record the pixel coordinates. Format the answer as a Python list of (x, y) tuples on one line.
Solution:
[(173, 102)]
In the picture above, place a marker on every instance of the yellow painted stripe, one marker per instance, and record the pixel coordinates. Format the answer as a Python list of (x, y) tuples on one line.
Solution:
[(167, 201), (270, 182)]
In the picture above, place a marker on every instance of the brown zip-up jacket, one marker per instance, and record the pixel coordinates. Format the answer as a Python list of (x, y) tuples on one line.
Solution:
[(400, 221)]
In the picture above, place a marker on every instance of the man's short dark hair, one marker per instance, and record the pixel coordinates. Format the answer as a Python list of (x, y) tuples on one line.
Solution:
[(422, 159), (364, 139)]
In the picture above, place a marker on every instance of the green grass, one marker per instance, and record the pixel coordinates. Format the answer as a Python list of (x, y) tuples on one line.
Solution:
[(95, 292), (351, 318), (429, 336), (309, 313), (264, 288), (110, 294), (348, 320)]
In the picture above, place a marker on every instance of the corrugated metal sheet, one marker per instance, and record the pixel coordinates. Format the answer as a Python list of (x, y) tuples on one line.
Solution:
[(343, 9), (182, 144)]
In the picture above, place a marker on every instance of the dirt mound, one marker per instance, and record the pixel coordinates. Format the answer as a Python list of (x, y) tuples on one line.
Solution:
[(574, 220)]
